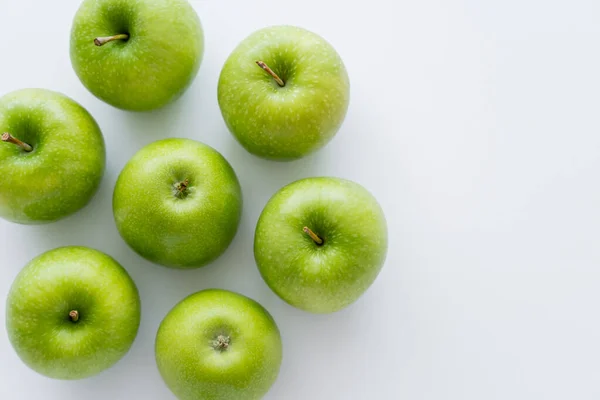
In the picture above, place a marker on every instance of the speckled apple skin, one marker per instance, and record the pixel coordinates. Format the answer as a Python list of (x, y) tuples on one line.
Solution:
[(193, 369), (151, 69), (62, 172), (164, 228), (326, 278), (284, 123), (57, 282)]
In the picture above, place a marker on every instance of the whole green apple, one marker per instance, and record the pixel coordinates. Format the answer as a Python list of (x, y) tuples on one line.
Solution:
[(218, 345), (52, 156), (283, 92), (136, 55), (320, 243), (72, 312), (178, 203)]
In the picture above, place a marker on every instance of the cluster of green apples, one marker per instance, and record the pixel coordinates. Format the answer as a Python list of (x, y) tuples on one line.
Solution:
[(319, 242)]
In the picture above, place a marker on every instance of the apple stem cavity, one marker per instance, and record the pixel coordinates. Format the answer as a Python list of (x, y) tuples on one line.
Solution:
[(74, 315), (8, 138), (181, 188), (313, 235), (269, 71), (99, 41), (221, 343)]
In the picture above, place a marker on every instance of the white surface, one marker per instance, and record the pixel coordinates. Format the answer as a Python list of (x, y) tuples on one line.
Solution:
[(475, 123)]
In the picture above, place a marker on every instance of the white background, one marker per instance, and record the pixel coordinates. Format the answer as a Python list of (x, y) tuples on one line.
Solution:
[(477, 126)]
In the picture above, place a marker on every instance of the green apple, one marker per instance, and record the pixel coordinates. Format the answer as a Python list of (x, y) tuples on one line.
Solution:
[(52, 156), (283, 92), (320, 243), (178, 203), (72, 312), (218, 345), (136, 55)]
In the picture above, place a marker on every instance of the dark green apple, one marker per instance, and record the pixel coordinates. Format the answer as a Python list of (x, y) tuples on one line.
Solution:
[(283, 92), (136, 55), (218, 345), (320, 243), (178, 203), (72, 312), (52, 156)]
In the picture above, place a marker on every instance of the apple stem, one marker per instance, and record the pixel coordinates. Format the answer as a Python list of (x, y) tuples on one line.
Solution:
[(99, 41), (313, 235), (8, 138), (74, 315), (269, 71), (221, 342), (181, 188)]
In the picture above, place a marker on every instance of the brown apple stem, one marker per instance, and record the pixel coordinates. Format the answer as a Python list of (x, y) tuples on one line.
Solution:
[(99, 41), (269, 71), (181, 188), (8, 138), (313, 235), (221, 343), (74, 315)]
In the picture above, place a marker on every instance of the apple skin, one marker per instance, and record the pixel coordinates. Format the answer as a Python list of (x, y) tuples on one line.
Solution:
[(153, 67), (62, 172), (289, 122), (169, 229), (321, 278), (192, 364), (48, 289)]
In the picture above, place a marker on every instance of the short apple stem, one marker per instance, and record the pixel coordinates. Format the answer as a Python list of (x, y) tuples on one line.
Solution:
[(269, 71), (181, 188), (74, 315), (8, 138), (221, 343), (313, 235), (99, 41)]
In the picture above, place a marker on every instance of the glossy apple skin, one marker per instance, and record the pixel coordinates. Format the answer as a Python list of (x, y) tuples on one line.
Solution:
[(193, 368), (153, 67), (62, 172), (169, 230), (289, 122), (48, 289), (328, 277)]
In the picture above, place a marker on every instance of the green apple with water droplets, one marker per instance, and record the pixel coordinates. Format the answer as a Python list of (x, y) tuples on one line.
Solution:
[(320, 243), (283, 92)]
